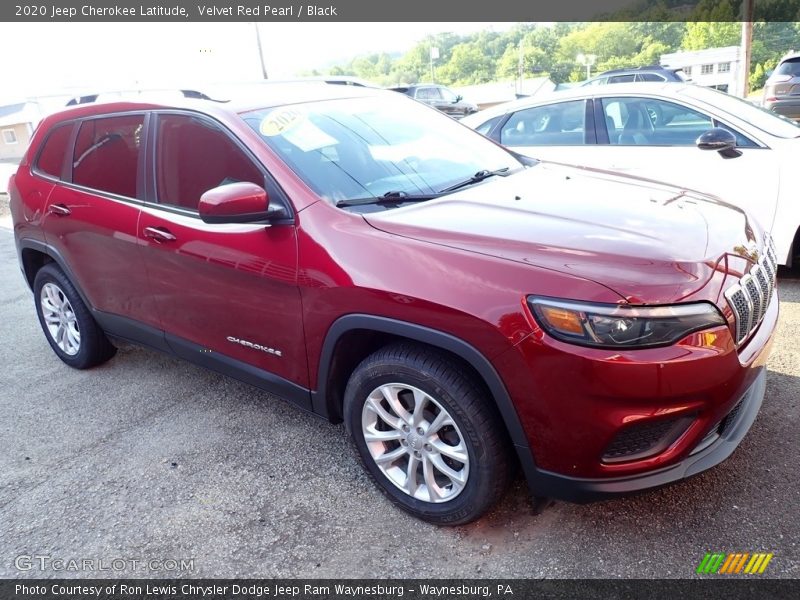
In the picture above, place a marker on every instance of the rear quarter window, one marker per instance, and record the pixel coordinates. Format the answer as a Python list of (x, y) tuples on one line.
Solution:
[(51, 157)]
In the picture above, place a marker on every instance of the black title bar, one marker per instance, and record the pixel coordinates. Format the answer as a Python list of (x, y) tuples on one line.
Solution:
[(407, 10), (389, 589)]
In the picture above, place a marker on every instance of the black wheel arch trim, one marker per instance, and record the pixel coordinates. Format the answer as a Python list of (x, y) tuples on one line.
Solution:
[(55, 256), (433, 337)]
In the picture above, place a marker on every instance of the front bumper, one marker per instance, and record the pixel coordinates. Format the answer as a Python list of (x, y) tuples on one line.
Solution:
[(576, 401), (574, 489)]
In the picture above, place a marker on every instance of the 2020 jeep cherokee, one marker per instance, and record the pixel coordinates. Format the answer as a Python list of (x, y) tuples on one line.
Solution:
[(375, 262)]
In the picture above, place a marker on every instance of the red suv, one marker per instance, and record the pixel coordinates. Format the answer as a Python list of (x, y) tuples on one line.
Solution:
[(372, 261)]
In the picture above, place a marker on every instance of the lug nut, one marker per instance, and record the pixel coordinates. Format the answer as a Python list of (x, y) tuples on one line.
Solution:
[(417, 454), (406, 428), (428, 447), (404, 443), (420, 431)]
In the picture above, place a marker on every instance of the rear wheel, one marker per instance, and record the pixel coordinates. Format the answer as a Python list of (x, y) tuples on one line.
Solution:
[(427, 434), (69, 327)]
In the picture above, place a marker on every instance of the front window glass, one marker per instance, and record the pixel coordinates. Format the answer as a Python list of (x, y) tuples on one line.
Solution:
[(448, 96), (651, 122), (194, 156), (366, 147)]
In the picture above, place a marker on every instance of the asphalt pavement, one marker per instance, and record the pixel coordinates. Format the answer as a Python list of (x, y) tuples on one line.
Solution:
[(148, 458)]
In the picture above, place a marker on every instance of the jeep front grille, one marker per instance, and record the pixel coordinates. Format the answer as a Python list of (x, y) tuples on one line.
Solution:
[(749, 298)]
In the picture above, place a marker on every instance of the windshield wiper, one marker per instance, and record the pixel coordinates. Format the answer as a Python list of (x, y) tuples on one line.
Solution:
[(478, 177), (394, 197)]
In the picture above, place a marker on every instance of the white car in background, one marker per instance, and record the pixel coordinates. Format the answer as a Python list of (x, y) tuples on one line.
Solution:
[(684, 134)]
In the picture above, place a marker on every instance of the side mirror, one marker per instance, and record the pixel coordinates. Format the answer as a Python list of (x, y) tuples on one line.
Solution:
[(241, 202), (719, 140), (459, 98)]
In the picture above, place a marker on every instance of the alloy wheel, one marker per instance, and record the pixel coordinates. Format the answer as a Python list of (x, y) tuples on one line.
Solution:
[(60, 319), (415, 442)]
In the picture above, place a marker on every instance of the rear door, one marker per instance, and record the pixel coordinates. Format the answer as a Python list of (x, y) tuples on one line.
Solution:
[(92, 215), (222, 290)]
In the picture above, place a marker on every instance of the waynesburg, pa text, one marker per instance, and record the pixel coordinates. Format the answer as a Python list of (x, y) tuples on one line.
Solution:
[(264, 591)]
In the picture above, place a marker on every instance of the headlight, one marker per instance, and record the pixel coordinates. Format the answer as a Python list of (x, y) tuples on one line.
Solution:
[(621, 326)]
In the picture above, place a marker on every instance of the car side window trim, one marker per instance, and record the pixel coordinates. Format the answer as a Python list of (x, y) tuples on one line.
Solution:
[(151, 194), (589, 130), (602, 131), (66, 173), (65, 159)]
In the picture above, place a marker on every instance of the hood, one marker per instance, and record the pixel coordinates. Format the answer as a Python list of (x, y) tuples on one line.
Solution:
[(647, 241)]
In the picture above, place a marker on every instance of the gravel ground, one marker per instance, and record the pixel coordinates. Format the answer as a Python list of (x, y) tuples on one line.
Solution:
[(150, 458)]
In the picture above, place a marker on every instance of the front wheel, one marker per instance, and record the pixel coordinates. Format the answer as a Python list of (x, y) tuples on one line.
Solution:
[(427, 434)]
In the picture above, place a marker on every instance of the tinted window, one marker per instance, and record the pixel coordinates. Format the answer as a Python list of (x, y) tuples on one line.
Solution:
[(488, 126), (651, 122), (448, 95), (51, 158), (194, 156), (649, 77), (621, 79), (107, 153), (428, 94), (559, 124), (790, 67)]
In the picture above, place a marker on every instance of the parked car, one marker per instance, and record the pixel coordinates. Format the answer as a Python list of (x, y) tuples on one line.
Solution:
[(654, 131), (652, 73), (782, 89), (439, 97), (460, 308)]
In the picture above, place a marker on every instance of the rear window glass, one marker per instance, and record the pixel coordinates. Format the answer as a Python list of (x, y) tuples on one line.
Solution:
[(51, 158), (790, 67), (107, 152)]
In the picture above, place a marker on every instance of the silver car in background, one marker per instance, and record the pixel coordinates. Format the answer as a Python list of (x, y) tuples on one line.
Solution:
[(782, 90)]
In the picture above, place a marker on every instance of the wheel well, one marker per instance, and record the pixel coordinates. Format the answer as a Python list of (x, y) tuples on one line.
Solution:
[(794, 250), (356, 345), (32, 261)]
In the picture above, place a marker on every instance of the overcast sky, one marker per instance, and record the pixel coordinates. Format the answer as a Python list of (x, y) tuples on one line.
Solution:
[(45, 58)]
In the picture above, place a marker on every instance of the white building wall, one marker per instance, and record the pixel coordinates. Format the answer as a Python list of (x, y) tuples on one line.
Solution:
[(714, 67)]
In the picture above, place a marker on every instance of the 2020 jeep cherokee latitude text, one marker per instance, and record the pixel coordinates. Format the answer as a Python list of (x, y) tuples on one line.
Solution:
[(377, 263)]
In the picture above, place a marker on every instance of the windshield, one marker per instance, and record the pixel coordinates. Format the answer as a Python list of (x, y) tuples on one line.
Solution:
[(356, 148), (763, 119)]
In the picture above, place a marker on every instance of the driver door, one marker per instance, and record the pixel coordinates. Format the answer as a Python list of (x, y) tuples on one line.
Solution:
[(226, 291)]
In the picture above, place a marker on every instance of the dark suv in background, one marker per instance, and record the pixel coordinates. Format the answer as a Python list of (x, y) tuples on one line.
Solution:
[(371, 261), (654, 73), (438, 96), (782, 89)]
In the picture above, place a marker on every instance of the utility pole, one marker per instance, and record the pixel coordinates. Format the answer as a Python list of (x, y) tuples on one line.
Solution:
[(521, 64), (747, 43), (260, 53)]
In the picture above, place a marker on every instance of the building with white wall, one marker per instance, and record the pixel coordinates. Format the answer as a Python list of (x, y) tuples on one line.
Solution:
[(718, 68)]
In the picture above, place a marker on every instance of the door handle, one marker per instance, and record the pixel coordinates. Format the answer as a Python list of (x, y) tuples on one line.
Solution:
[(59, 209), (159, 234)]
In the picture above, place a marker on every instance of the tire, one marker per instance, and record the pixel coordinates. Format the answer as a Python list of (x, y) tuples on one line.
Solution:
[(455, 446), (69, 327)]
